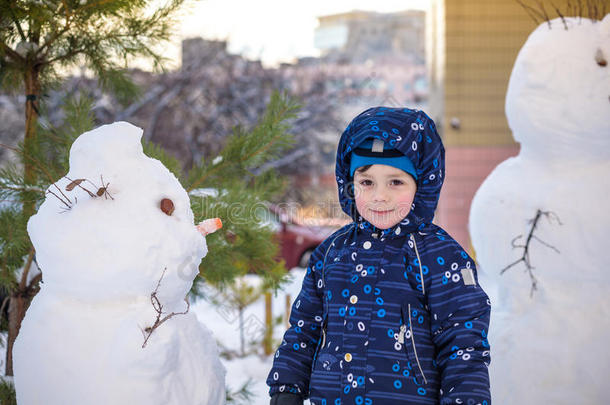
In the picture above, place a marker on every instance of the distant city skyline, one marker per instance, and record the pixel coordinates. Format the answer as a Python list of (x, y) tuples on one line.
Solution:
[(273, 31)]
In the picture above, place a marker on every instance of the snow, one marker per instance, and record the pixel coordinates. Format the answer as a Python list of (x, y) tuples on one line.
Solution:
[(224, 322), (549, 345), (103, 251), (255, 366)]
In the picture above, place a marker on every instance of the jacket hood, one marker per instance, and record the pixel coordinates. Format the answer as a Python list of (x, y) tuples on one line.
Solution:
[(411, 132)]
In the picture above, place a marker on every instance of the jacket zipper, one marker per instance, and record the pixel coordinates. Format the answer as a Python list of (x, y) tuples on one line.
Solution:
[(421, 270), (323, 334), (414, 349)]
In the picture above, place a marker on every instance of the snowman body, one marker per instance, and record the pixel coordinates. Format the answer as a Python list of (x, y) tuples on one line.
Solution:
[(102, 258), (550, 344)]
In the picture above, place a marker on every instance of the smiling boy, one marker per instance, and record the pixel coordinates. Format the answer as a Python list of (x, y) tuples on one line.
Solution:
[(390, 310)]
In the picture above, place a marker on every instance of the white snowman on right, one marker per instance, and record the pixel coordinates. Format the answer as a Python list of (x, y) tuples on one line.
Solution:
[(550, 325)]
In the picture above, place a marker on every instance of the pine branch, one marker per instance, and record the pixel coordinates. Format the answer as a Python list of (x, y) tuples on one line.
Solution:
[(272, 138), (25, 156)]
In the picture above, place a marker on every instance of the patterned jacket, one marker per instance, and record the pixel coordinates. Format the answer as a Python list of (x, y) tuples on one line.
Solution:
[(389, 316)]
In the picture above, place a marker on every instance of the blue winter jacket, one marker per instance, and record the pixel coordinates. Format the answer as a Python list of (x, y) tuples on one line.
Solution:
[(389, 316)]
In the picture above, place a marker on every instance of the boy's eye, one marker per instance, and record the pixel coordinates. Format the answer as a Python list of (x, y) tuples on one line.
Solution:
[(396, 182), (366, 183)]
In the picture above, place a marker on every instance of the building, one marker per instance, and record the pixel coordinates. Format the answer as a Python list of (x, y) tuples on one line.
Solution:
[(471, 49), (358, 36)]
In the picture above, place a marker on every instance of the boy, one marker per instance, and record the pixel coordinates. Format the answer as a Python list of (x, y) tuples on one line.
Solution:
[(390, 310)]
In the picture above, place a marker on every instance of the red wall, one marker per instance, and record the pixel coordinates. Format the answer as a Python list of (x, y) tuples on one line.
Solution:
[(466, 167)]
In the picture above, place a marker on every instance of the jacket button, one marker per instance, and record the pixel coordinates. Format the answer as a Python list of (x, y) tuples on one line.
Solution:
[(353, 299), (348, 357)]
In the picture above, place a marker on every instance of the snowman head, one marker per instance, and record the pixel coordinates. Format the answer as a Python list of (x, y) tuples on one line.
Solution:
[(116, 222), (558, 99)]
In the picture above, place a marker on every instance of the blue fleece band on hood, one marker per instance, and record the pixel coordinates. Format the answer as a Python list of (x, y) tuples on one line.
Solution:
[(364, 155)]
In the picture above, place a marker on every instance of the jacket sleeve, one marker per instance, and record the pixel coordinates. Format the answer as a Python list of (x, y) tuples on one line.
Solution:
[(460, 320), (293, 359)]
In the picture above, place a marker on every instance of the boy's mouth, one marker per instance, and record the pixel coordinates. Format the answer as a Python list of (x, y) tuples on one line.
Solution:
[(381, 212)]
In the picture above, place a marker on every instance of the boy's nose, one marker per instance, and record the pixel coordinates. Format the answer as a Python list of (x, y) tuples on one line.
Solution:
[(380, 194)]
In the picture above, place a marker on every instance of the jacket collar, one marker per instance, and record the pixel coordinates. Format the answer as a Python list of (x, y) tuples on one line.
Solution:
[(408, 225)]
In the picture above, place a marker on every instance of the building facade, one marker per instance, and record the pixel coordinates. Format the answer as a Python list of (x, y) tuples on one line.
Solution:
[(470, 52)]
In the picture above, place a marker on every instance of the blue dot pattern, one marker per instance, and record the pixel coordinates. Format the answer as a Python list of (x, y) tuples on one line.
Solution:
[(367, 328)]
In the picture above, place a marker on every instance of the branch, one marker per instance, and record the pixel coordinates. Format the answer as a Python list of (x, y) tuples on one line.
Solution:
[(546, 16), (533, 13), (13, 54), (162, 104), (525, 258), (4, 303), (21, 189), (280, 116), (33, 287), (100, 190), (26, 270), (76, 183), (147, 332), (546, 244), (68, 204), (16, 21), (289, 158), (58, 34), (37, 164), (133, 108), (65, 56), (558, 11)]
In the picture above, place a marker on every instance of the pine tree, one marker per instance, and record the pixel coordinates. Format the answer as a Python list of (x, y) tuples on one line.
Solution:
[(39, 39)]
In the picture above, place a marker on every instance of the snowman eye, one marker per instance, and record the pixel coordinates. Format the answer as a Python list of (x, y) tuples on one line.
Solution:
[(600, 59), (167, 206)]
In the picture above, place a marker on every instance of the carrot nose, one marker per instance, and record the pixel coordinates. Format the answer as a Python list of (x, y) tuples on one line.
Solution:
[(208, 226)]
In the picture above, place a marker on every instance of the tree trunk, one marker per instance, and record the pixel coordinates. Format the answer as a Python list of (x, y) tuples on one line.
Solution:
[(32, 94), (242, 338), (268, 339), (18, 304), (20, 299)]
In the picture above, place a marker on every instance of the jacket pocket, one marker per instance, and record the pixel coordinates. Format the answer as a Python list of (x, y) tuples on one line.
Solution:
[(408, 338)]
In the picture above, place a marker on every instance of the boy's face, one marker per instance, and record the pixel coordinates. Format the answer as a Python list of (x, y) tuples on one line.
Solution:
[(384, 195)]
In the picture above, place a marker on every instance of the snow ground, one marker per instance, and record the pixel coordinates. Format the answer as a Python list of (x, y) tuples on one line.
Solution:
[(224, 324)]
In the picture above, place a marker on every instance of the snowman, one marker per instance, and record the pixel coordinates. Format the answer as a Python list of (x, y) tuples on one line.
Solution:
[(540, 223), (118, 249)]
